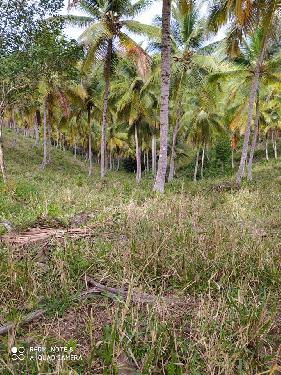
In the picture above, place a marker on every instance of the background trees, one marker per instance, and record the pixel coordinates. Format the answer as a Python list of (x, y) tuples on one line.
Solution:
[(61, 88)]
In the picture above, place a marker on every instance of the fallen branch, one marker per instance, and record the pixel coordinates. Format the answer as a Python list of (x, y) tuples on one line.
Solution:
[(27, 319), (135, 297), (114, 293), (35, 235), (37, 314)]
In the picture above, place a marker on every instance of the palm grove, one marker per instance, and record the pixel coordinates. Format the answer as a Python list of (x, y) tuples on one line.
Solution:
[(157, 106)]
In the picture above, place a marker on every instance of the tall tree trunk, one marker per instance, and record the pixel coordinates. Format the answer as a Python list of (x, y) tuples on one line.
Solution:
[(254, 140), (202, 162), (266, 149), (2, 166), (118, 163), (37, 122), (164, 99), (75, 150), (253, 93), (138, 156), (232, 159), (90, 141), (147, 161), (107, 67), (173, 151), (196, 166), (45, 149), (274, 144), (153, 153)]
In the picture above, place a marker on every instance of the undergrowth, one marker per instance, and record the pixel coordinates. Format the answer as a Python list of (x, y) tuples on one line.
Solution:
[(218, 252)]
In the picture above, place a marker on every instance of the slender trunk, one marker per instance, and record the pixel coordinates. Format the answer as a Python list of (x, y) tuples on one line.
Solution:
[(45, 150), (107, 67), (153, 154), (2, 166), (75, 150), (266, 149), (232, 159), (118, 163), (138, 156), (254, 140), (164, 98), (37, 122), (196, 166), (90, 140), (173, 151), (147, 161), (274, 143), (202, 162), (253, 93)]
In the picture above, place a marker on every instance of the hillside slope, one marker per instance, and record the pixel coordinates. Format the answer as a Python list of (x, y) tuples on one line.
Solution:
[(213, 253)]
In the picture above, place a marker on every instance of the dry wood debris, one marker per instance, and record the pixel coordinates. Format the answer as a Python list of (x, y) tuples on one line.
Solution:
[(35, 235)]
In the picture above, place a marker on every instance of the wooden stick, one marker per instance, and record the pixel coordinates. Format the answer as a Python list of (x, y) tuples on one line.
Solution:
[(135, 297), (37, 314), (98, 288), (27, 319)]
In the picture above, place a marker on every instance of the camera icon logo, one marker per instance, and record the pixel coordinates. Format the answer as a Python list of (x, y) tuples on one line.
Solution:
[(18, 353)]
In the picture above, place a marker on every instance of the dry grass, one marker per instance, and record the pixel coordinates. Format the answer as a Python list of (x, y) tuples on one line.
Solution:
[(217, 252)]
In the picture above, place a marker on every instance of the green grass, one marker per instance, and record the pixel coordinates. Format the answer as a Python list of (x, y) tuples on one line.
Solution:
[(218, 251)]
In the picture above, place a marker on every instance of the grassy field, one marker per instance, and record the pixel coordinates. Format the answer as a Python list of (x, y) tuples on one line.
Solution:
[(212, 257)]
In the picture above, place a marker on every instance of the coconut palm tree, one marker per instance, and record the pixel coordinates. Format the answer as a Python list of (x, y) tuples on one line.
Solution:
[(134, 103), (187, 39), (245, 16), (203, 121), (52, 91), (164, 96), (107, 24), (240, 77)]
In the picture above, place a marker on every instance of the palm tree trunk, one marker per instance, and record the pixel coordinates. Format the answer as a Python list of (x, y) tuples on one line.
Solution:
[(90, 141), (253, 93), (196, 166), (36, 127), (173, 151), (2, 166), (202, 162), (45, 149), (107, 67), (254, 140), (266, 149), (138, 156), (153, 154), (164, 98), (274, 143)]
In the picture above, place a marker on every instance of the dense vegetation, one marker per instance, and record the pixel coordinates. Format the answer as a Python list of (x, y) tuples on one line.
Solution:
[(90, 132)]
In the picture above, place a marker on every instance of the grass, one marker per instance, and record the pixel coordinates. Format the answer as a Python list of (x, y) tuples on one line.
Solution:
[(219, 252)]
